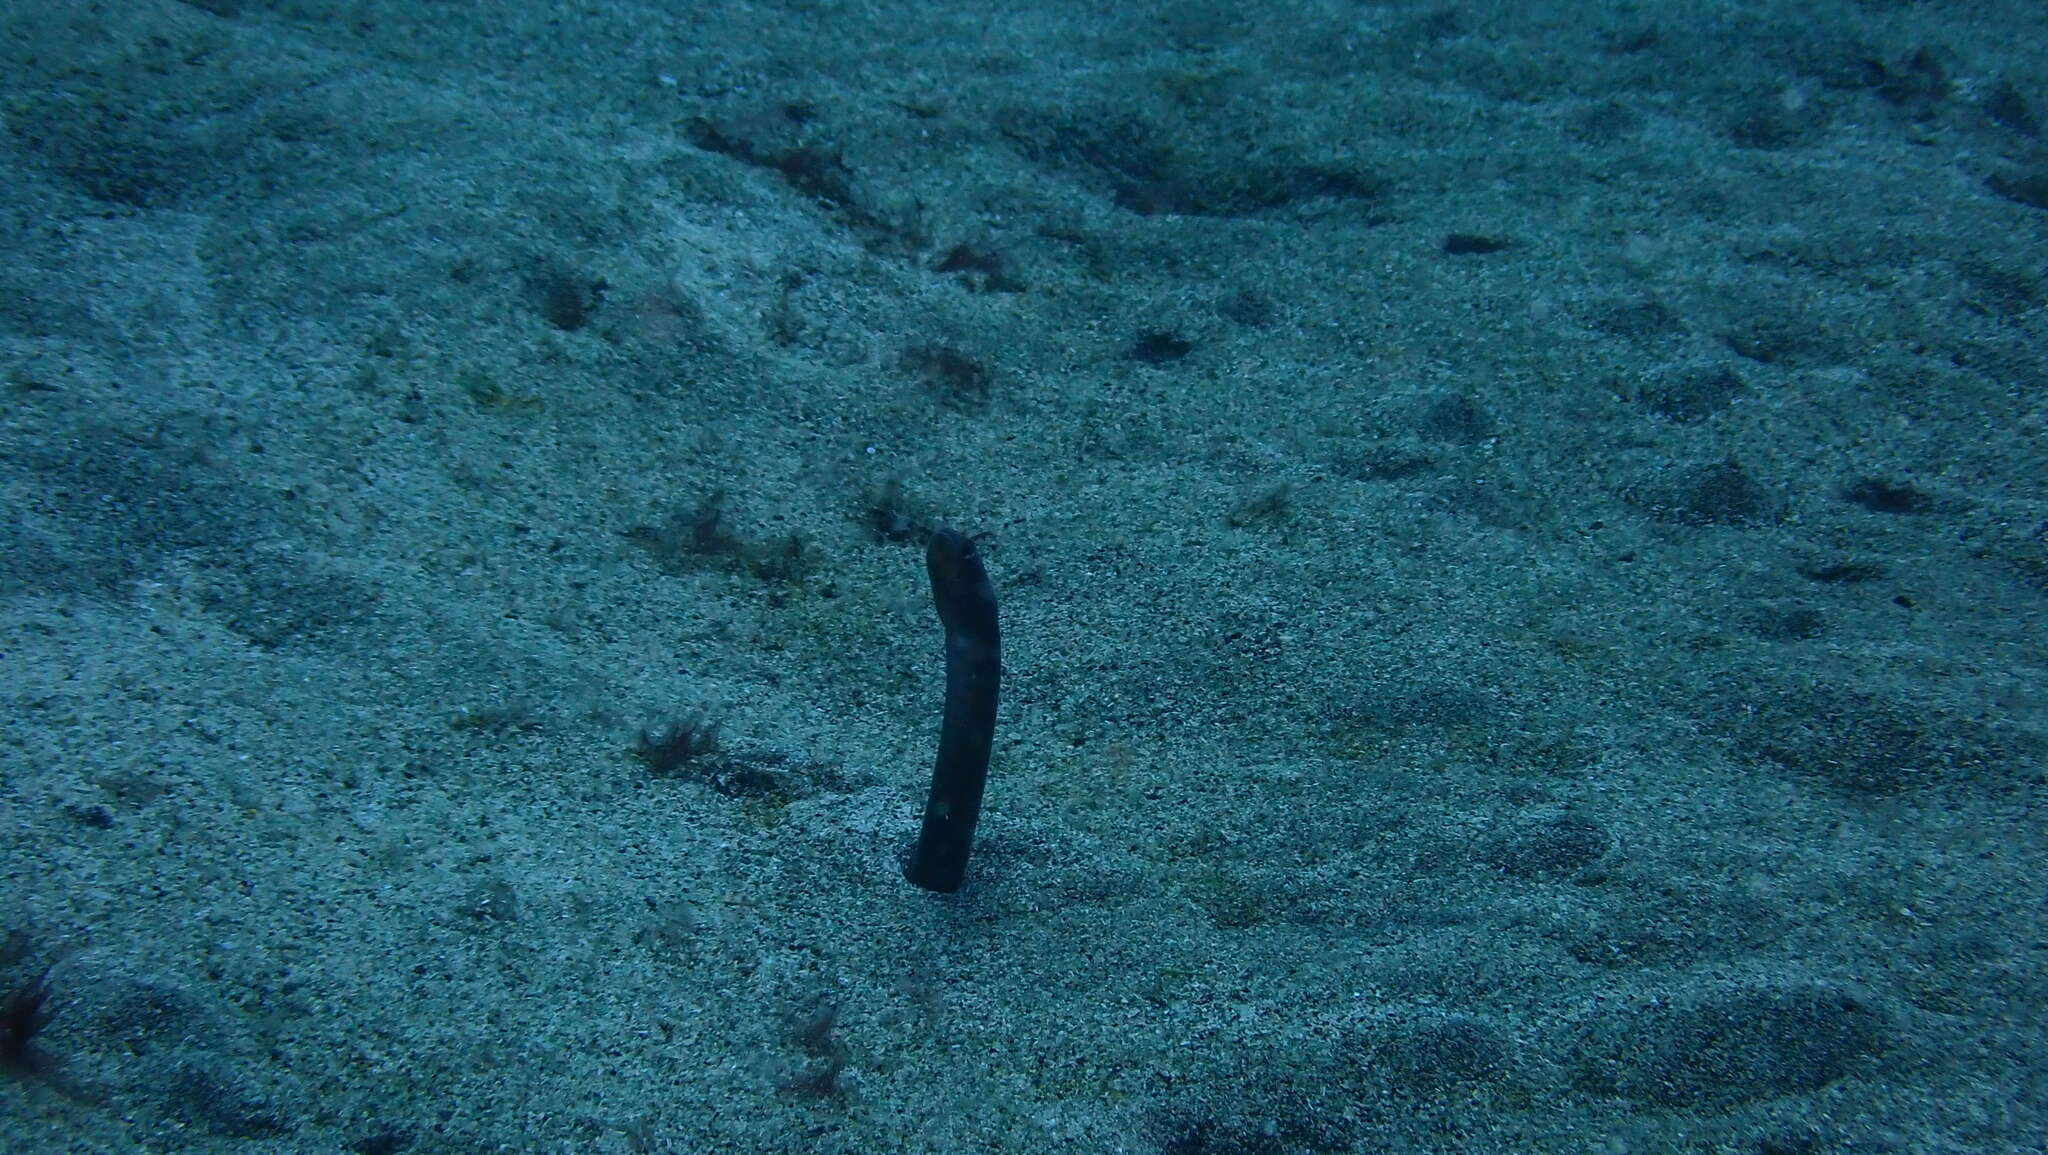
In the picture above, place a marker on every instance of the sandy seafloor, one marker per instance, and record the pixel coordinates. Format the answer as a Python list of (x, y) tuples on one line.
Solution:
[(1521, 528)]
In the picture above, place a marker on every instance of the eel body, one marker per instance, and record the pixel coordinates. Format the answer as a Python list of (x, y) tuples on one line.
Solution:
[(966, 602)]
